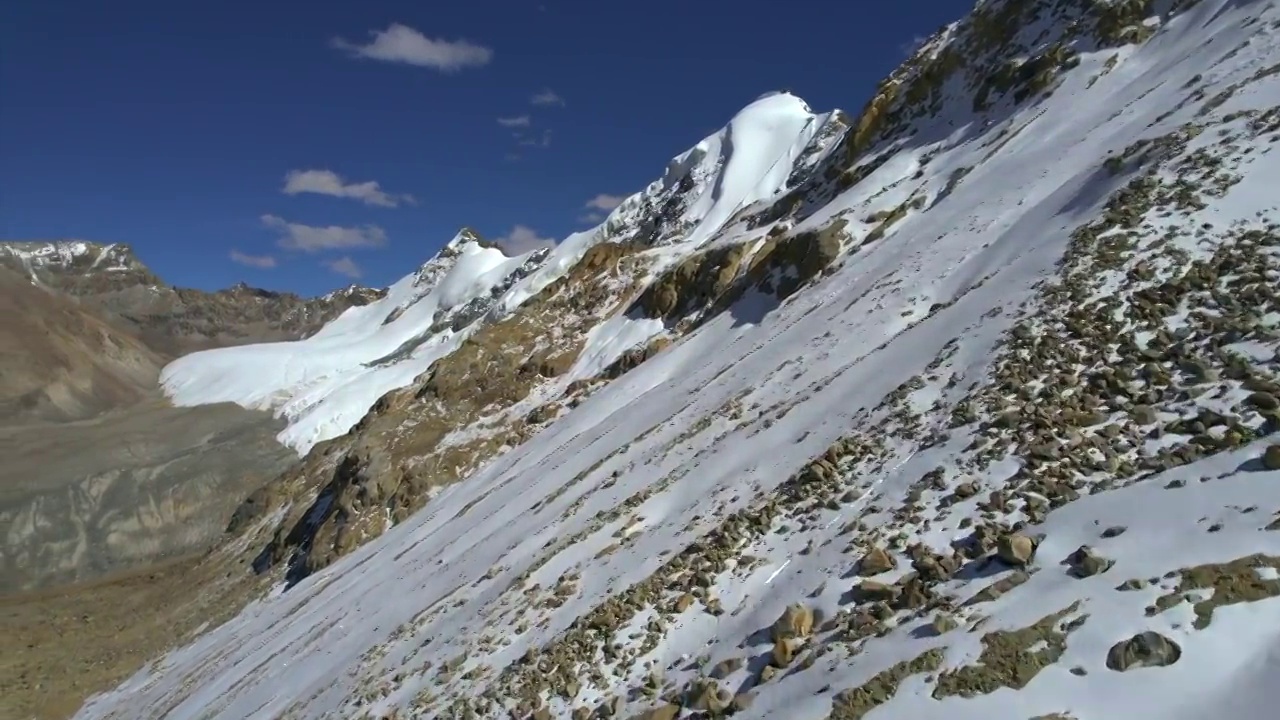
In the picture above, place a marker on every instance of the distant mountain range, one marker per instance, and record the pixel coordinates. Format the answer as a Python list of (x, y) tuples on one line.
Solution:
[(172, 321)]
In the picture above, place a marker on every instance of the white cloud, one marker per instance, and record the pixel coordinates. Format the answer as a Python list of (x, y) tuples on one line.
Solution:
[(258, 261), (345, 266), (605, 202), (517, 121), (327, 182), (402, 44), (542, 141), (600, 206), (546, 98), (523, 239), (311, 238)]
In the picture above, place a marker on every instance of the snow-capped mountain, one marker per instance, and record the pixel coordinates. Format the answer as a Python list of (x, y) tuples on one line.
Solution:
[(962, 408), (323, 385), (66, 255)]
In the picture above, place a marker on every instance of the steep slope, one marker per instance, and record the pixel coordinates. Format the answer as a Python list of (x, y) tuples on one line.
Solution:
[(61, 362), (172, 321), (80, 500), (99, 472), (968, 412)]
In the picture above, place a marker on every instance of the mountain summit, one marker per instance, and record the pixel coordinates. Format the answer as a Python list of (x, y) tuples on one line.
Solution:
[(965, 407)]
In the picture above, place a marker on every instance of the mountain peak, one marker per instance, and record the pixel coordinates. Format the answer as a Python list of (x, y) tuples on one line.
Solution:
[(64, 262), (784, 95), (73, 254), (467, 234)]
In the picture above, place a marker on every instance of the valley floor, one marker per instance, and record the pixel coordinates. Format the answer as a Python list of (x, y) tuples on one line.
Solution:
[(59, 646)]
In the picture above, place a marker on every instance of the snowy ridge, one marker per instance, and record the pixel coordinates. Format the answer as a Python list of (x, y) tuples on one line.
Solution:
[(72, 253), (324, 384), (1012, 455)]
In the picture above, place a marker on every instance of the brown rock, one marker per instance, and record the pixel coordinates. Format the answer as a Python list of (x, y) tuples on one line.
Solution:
[(664, 712), (1016, 549), (725, 668), (795, 621), (1271, 458), (1263, 401), (784, 651), (1084, 562), (876, 561), (872, 591)]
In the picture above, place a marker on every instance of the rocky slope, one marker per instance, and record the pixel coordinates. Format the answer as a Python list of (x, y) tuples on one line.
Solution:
[(100, 473), (61, 362), (80, 500), (172, 321), (962, 407)]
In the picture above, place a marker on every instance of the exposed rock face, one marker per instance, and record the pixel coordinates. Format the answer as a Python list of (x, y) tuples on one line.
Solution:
[(173, 321), (713, 280)]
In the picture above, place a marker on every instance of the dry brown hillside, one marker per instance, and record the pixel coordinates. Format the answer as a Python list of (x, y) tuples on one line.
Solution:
[(60, 361)]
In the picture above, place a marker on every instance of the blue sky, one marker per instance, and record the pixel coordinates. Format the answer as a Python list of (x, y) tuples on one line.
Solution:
[(350, 140)]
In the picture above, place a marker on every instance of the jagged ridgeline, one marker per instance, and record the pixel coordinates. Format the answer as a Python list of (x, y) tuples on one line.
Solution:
[(964, 407)]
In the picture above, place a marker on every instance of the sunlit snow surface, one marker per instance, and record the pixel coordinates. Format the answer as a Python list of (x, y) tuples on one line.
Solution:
[(324, 384), (423, 591)]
